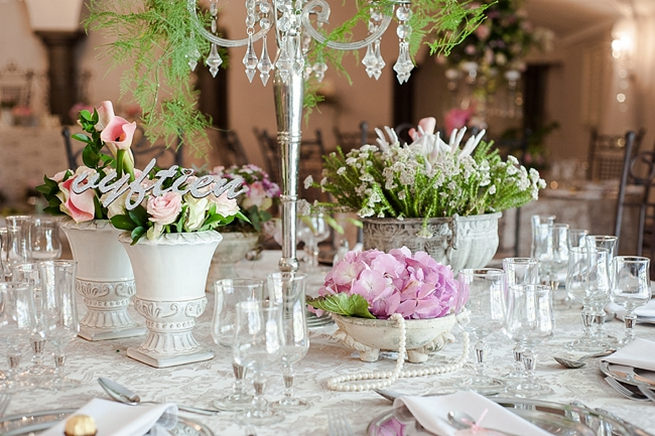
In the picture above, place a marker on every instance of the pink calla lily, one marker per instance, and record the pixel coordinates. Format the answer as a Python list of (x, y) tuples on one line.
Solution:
[(119, 132), (105, 114)]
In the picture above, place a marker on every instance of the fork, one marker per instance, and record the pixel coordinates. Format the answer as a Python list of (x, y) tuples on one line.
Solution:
[(338, 424), (618, 387), (4, 403)]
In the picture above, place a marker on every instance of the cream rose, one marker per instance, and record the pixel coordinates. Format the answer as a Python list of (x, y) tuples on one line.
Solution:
[(225, 207), (197, 209)]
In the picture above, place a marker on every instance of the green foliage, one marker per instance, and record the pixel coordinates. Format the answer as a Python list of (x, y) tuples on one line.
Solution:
[(342, 304), (155, 37)]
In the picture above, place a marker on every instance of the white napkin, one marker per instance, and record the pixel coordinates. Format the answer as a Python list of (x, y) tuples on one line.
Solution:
[(645, 311), (118, 419), (639, 353), (432, 413)]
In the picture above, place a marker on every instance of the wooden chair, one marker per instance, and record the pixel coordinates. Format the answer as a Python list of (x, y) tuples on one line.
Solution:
[(350, 140), (311, 164), (236, 154), (637, 178), (607, 153), (270, 152)]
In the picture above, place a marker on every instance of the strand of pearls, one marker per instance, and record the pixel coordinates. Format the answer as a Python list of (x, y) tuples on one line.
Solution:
[(346, 383)]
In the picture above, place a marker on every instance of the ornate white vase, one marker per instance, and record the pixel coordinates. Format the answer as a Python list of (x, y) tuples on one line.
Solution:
[(104, 280), (370, 336), (170, 274), (459, 241), (233, 248)]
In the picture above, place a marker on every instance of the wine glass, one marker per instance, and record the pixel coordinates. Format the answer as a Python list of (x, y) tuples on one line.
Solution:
[(631, 288), (14, 250), (608, 242), (43, 239), (552, 252), (486, 314), (258, 342), (16, 327), (529, 322), (577, 238), (60, 311), (288, 290), (588, 283), (537, 230), (227, 293), (313, 230)]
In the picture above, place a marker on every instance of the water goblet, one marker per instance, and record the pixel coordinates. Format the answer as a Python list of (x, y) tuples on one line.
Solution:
[(608, 242), (529, 322), (43, 239), (631, 288), (14, 250), (227, 293), (16, 328), (537, 221), (60, 312), (313, 230), (552, 252), (288, 290), (518, 271), (258, 341), (577, 238), (486, 314), (588, 283)]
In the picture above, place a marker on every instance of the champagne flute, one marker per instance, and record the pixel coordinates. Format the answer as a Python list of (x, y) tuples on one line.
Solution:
[(552, 253), (537, 222), (631, 288), (486, 314), (313, 230), (43, 239), (288, 290), (530, 321), (258, 341), (16, 328), (227, 293)]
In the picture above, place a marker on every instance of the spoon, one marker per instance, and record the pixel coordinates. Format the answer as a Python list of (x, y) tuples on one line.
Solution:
[(123, 395), (462, 420), (571, 363)]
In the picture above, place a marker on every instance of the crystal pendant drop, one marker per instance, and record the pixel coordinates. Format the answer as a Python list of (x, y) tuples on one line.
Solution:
[(283, 63), (213, 61), (250, 60), (369, 61), (403, 65), (380, 62), (319, 70), (193, 59), (265, 65)]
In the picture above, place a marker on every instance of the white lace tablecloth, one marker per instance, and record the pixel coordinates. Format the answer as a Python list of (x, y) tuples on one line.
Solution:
[(198, 384)]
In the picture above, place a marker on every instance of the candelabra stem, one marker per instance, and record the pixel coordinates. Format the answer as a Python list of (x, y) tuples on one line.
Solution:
[(288, 96)]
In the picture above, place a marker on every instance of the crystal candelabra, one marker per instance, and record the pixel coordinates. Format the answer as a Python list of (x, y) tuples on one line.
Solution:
[(297, 27)]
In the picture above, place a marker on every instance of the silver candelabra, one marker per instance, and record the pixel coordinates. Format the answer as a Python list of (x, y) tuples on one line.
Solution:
[(298, 26)]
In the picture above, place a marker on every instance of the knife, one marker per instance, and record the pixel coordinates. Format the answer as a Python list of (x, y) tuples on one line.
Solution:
[(628, 373)]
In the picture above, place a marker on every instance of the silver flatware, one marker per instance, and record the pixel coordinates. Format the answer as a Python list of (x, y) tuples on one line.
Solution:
[(124, 395), (462, 421), (618, 387), (580, 362)]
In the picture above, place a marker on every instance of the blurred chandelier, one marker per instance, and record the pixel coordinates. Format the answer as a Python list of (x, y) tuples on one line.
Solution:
[(295, 34)]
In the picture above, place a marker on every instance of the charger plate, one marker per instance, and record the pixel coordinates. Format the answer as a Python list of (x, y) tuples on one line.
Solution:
[(34, 422), (560, 419)]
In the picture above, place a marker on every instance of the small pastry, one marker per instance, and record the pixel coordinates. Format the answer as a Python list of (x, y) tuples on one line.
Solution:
[(80, 425)]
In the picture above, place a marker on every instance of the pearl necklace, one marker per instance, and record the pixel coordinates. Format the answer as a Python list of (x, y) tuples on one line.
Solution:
[(345, 383)]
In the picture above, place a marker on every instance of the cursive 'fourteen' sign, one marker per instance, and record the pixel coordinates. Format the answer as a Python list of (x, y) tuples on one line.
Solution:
[(199, 188)]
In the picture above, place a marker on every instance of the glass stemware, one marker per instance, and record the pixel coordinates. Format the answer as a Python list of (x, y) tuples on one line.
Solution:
[(631, 288), (60, 311), (43, 239), (552, 252), (608, 242), (258, 341), (313, 230), (588, 283), (577, 238), (227, 293), (537, 222), (486, 314), (288, 290), (14, 250), (529, 321), (16, 328)]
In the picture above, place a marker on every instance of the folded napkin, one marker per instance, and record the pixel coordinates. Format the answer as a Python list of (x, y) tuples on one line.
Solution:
[(118, 419), (639, 353), (645, 311), (432, 413)]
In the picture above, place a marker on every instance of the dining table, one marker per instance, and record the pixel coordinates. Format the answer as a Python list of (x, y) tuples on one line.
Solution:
[(199, 384)]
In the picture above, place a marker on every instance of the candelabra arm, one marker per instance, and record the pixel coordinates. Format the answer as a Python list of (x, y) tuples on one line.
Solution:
[(322, 12), (222, 42), (288, 96)]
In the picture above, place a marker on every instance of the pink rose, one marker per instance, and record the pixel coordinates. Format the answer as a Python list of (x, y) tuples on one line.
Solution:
[(105, 114), (225, 207), (59, 176), (80, 207), (255, 196), (164, 209), (119, 133), (456, 119)]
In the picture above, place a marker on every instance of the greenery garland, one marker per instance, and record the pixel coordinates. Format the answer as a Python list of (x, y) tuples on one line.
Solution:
[(155, 37)]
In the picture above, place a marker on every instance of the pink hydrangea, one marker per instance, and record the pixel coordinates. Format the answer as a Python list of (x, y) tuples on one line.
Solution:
[(414, 285)]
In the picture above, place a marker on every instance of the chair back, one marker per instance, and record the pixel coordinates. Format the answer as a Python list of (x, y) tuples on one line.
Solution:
[(607, 154), (270, 153), (236, 154), (351, 140), (311, 164)]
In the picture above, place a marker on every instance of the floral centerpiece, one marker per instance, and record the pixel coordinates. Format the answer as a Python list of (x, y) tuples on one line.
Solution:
[(366, 288), (426, 180)]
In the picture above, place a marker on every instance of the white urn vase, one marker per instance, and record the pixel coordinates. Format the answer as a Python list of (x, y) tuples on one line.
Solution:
[(171, 273), (104, 280)]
